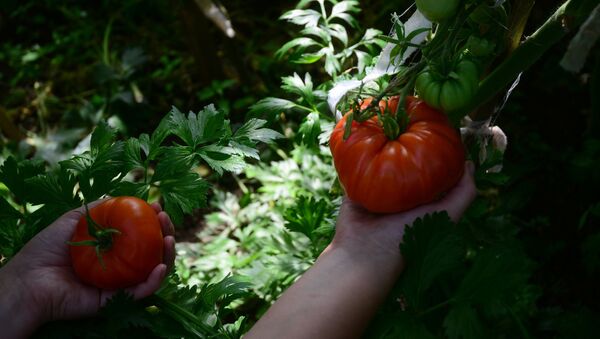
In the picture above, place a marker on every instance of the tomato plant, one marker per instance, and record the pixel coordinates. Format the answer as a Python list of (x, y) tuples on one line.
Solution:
[(438, 10), (118, 243), (388, 176), (451, 92)]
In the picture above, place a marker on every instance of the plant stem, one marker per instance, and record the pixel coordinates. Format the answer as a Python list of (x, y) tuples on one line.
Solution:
[(564, 20)]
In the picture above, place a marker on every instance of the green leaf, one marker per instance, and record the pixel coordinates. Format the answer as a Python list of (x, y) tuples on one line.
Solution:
[(14, 175), (306, 216), (304, 88), (271, 107), (308, 58), (54, 188), (463, 322), (253, 131), (302, 17), (102, 137), (310, 129), (209, 125), (431, 248), (183, 194), (135, 189), (132, 155), (301, 44), (339, 32), (222, 162), (174, 161)]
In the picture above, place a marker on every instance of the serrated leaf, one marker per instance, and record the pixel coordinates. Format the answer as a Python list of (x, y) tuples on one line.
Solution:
[(135, 189), (132, 155), (174, 161), (102, 137), (431, 248), (209, 125), (183, 194), (252, 130), (225, 291), (54, 188), (223, 162), (302, 87), (306, 216)]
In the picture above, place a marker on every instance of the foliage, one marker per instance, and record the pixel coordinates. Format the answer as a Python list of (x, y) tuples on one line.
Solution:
[(264, 235)]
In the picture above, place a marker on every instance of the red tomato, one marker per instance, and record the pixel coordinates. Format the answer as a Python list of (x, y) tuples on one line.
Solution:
[(389, 176), (134, 252)]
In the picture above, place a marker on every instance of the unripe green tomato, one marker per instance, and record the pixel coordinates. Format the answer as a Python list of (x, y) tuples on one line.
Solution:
[(438, 10), (451, 93), (480, 47)]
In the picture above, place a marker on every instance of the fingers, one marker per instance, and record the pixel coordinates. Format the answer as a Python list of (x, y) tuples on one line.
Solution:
[(461, 196), (156, 206), (168, 231), (142, 290), (165, 222), (169, 253), (152, 284)]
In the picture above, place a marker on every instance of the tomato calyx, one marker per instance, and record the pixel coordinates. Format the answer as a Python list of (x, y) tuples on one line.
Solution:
[(103, 237)]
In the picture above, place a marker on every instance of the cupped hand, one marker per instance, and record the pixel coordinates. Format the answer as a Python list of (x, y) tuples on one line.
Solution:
[(48, 287), (380, 234)]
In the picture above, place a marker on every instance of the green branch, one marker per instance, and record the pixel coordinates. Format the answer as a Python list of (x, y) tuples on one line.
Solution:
[(566, 18)]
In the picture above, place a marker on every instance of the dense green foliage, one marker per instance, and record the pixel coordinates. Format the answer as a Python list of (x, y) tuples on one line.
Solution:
[(523, 262)]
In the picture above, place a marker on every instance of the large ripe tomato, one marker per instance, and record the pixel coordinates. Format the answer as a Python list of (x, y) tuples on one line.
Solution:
[(389, 176), (133, 252)]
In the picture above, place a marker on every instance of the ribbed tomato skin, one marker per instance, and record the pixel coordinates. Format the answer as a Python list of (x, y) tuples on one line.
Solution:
[(134, 252), (390, 176)]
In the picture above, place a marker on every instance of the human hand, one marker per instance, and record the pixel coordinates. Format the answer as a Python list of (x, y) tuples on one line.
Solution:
[(42, 283), (377, 236)]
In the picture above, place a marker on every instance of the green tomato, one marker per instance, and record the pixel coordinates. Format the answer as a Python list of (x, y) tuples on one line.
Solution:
[(480, 47), (438, 10), (451, 93)]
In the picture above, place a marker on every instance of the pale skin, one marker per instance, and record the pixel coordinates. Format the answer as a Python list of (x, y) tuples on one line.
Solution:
[(340, 293), (39, 285)]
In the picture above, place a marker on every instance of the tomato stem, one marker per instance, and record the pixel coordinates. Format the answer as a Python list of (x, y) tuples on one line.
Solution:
[(103, 237)]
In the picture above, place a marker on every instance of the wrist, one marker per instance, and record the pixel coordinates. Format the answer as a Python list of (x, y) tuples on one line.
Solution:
[(384, 260), (18, 312)]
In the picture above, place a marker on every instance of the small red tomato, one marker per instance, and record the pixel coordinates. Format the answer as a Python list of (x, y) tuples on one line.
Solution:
[(389, 176), (129, 252)]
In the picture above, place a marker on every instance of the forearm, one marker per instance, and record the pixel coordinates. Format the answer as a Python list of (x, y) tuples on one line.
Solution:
[(335, 298)]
